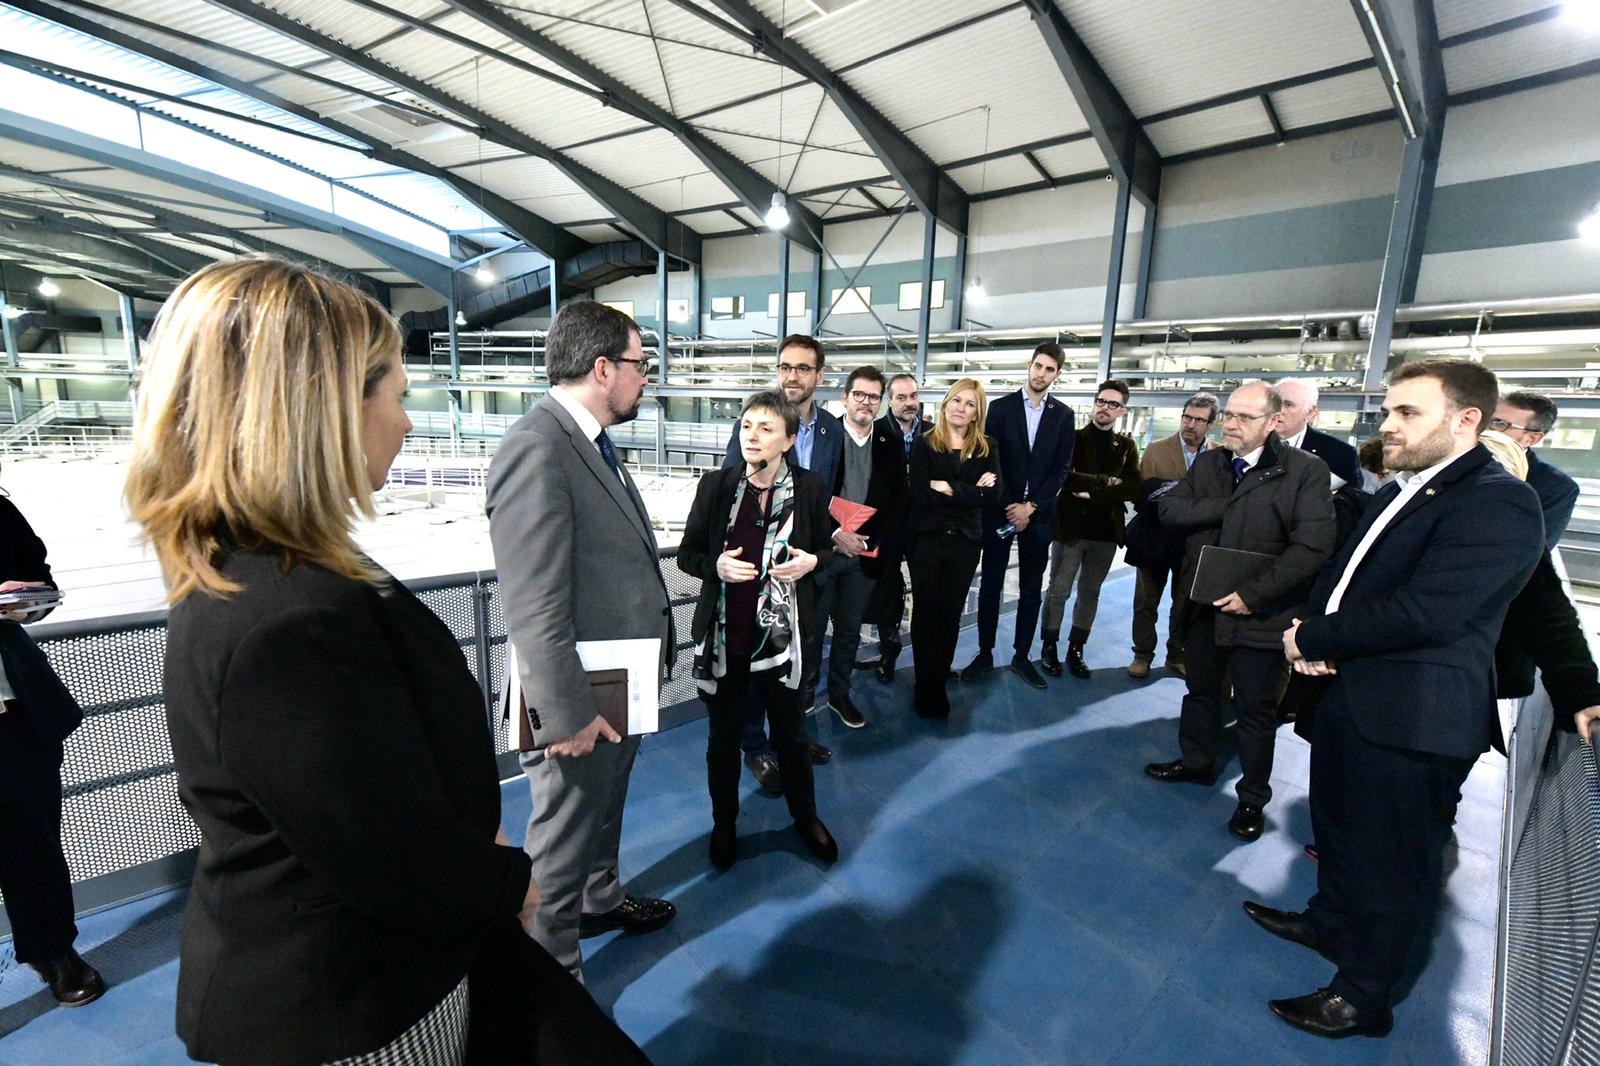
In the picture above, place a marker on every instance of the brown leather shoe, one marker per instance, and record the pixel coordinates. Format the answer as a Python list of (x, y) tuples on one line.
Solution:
[(1139, 668)]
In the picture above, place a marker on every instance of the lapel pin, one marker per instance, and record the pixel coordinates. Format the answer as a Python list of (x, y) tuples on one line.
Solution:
[(1429, 492)]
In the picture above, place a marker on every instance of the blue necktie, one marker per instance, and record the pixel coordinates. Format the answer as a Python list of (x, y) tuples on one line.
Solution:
[(1240, 468), (609, 453)]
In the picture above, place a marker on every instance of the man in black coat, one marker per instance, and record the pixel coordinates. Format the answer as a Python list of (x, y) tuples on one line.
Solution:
[(1404, 624), (1256, 494), (36, 717), (1298, 430), (904, 422), (1526, 417), (1033, 432)]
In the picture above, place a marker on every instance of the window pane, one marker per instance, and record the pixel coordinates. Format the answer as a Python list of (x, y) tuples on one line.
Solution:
[(911, 295), (625, 306), (797, 303), (723, 307), (854, 301)]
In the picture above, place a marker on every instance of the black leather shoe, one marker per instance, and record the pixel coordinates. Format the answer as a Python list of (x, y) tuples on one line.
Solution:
[(635, 914), (1175, 771), (1326, 1013), (808, 700), (819, 840), (1292, 926), (1246, 822), (981, 664), (848, 713), (766, 771), (818, 753), (1049, 661), (1024, 669), (885, 669), (73, 982), (1075, 662), (724, 846)]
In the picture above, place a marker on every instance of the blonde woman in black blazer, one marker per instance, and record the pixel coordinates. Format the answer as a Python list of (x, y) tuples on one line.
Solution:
[(330, 742)]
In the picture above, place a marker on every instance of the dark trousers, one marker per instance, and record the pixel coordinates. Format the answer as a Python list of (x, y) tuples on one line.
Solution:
[(1150, 583), (1033, 555), (850, 590), (33, 871), (726, 712), (755, 712), (1257, 675), (941, 575), (886, 607), (1381, 817)]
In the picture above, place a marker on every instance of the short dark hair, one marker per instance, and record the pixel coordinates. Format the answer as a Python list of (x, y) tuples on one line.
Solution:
[(582, 331), (1115, 385), (804, 340), (1053, 350), (1467, 385), (900, 377), (1208, 400), (1542, 406), (775, 402), (868, 373)]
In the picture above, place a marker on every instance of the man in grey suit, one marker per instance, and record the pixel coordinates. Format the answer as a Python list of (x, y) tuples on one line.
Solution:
[(564, 517)]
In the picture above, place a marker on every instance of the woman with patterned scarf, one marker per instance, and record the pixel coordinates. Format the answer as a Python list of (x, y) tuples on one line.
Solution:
[(754, 537)]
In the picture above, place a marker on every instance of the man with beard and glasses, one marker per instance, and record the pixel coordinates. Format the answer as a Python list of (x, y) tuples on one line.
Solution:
[(887, 606), (1402, 625), (1033, 432), (818, 448), (566, 519), (1527, 417)]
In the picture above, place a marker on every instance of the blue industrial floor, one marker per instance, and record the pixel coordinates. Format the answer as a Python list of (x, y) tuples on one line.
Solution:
[(1012, 889)]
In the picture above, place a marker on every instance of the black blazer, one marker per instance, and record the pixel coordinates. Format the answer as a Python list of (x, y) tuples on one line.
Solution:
[(1415, 633), (705, 536), (934, 512), (888, 490), (41, 697), (1558, 495), (1086, 475), (1342, 459), (333, 748), (1039, 470), (891, 427), (1542, 630)]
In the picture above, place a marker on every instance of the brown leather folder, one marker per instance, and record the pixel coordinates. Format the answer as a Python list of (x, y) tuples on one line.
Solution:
[(610, 688)]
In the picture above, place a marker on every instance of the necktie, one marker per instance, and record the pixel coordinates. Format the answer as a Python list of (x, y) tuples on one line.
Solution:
[(1240, 468), (608, 452)]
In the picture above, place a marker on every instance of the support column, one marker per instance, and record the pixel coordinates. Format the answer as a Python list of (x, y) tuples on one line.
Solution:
[(930, 235), (1147, 248), (783, 289), (957, 300), (1402, 256), (14, 385), (1119, 239), (662, 354), (450, 309), (130, 338), (555, 300), (816, 289)]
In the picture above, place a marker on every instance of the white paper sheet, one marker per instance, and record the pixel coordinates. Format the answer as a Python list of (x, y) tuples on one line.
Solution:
[(642, 659)]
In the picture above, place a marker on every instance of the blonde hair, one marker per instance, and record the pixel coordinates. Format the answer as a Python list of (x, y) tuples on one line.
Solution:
[(975, 443), (248, 429), (1507, 452)]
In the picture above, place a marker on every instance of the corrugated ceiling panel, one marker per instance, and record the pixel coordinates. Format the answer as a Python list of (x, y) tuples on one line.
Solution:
[(627, 57), (532, 181), (819, 170), (1000, 174), (426, 55), (673, 23), (242, 68), (711, 222), (351, 24), (1218, 125), (691, 191), (650, 164), (1535, 49), (28, 157), (871, 26), (544, 110), (1163, 53), (795, 108), (344, 74), (213, 24), (326, 246), (595, 234), (701, 79), (1325, 101), (1079, 157), (1459, 16), (933, 92)]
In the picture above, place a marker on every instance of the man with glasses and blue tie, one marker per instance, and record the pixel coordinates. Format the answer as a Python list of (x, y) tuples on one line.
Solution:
[(819, 448), (565, 519), (1254, 494)]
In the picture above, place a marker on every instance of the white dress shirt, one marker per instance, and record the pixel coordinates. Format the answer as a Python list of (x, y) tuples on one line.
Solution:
[(1410, 485), (588, 424)]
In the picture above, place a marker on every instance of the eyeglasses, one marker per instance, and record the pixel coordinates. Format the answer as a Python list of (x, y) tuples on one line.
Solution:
[(788, 370), (1235, 416), (1191, 420), (1109, 405), (1500, 425), (644, 365), (873, 398)]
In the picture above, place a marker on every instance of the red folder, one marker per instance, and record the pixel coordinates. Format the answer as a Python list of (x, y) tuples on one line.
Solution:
[(851, 517)]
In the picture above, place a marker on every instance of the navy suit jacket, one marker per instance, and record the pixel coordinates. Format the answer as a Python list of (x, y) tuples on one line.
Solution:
[(1342, 459), (1415, 633), (827, 451), (1034, 474), (1558, 494)]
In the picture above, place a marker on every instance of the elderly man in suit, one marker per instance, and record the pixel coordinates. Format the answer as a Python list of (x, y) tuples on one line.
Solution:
[(818, 448), (1168, 459), (1299, 431), (1033, 431), (904, 422), (565, 519), (1526, 417), (1403, 624)]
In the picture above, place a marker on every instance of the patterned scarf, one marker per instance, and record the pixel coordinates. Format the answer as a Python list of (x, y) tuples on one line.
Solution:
[(777, 611)]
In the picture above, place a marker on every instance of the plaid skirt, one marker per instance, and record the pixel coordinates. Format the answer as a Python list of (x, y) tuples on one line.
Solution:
[(439, 1038)]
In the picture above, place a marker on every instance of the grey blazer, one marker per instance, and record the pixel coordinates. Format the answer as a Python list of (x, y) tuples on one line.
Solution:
[(576, 559)]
